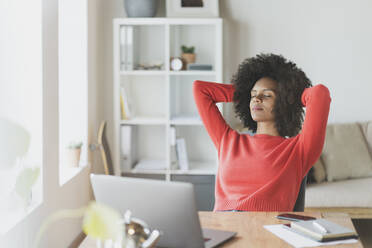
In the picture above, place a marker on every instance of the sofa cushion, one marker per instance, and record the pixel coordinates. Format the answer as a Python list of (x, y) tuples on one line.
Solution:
[(345, 153), (347, 193), (319, 173), (367, 133)]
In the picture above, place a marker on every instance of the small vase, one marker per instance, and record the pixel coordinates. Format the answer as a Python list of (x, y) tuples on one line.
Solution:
[(189, 58), (72, 157), (141, 8)]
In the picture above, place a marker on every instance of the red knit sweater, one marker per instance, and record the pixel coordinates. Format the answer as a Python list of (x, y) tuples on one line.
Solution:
[(261, 172)]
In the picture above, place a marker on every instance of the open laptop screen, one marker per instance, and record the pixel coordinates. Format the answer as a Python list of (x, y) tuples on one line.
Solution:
[(167, 206)]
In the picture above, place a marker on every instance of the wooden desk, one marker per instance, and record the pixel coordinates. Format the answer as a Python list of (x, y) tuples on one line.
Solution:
[(249, 228)]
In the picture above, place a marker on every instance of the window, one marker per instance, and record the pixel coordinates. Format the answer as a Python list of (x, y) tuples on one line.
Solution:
[(20, 109), (73, 87)]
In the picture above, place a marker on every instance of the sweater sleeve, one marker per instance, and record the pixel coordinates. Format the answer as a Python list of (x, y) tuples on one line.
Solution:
[(206, 95), (317, 102)]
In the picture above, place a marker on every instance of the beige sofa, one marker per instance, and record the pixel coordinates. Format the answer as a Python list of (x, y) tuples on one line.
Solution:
[(342, 178)]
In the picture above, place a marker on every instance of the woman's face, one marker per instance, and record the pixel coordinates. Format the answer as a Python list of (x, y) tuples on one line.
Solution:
[(263, 96)]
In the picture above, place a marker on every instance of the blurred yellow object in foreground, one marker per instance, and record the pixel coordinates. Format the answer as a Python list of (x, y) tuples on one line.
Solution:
[(102, 222)]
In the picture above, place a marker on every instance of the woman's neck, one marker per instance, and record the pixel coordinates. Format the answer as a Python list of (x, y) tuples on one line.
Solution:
[(267, 128)]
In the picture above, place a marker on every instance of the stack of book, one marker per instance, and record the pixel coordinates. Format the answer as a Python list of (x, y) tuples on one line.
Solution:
[(322, 230)]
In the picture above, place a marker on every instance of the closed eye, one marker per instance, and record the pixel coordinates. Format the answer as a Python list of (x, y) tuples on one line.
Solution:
[(264, 96)]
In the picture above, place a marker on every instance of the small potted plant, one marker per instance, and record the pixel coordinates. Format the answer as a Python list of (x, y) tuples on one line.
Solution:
[(188, 54), (73, 151)]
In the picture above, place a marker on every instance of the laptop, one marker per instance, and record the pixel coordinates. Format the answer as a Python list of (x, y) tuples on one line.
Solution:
[(166, 206)]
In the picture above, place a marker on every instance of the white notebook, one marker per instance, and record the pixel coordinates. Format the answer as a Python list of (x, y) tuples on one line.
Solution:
[(323, 230)]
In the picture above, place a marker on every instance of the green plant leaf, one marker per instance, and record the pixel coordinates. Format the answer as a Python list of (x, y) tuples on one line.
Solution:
[(186, 49)]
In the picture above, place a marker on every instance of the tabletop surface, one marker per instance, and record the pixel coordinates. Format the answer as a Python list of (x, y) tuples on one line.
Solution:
[(250, 230)]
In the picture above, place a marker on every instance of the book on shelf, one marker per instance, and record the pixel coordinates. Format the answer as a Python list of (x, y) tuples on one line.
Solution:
[(173, 152), (181, 152), (125, 107), (122, 108), (172, 136), (322, 230), (128, 155), (126, 48)]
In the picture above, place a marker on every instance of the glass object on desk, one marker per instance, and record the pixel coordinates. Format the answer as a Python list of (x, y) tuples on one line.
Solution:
[(107, 244), (136, 235)]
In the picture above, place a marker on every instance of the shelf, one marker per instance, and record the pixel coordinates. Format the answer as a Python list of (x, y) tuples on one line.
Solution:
[(138, 171), (193, 73), (205, 49), (150, 166), (144, 121), (160, 100), (143, 72), (186, 120), (167, 20), (197, 168), (162, 72)]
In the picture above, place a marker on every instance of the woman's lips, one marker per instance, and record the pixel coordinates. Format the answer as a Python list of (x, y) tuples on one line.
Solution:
[(257, 109)]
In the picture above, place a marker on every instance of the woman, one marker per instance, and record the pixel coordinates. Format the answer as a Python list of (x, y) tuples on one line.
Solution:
[(263, 172)]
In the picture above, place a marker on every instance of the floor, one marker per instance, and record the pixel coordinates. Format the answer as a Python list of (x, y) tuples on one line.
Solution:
[(364, 229)]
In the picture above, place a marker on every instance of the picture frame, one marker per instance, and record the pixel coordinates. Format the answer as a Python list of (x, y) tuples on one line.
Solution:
[(192, 8)]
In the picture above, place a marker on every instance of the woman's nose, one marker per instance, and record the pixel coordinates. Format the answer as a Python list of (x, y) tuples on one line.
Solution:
[(257, 98)]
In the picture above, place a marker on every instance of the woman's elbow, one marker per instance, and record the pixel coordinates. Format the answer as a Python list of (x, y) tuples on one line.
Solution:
[(323, 91), (196, 86)]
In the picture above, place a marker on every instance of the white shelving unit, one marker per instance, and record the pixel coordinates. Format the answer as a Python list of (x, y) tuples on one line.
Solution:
[(161, 99)]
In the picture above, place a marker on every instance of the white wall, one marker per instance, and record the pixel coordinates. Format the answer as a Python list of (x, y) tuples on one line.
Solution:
[(76, 192), (96, 80), (330, 40)]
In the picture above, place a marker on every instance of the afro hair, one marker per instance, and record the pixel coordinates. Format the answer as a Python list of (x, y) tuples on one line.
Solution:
[(291, 82)]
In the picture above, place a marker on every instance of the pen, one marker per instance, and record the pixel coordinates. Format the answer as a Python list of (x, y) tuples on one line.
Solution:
[(320, 227)]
